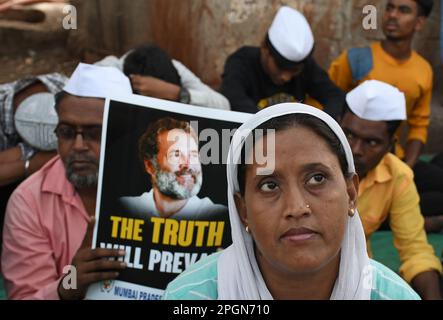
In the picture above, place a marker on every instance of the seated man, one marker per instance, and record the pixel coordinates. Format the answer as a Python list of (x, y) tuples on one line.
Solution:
[(394, 61), (154, 74), (18, 158), (387, 189), (48, 214), (281, 70), (169, 153)]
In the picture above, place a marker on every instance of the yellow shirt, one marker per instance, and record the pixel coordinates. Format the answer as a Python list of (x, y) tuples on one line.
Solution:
[(413, 77), (389, 191)]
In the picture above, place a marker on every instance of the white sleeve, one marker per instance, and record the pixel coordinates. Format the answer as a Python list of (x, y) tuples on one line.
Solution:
[(110, 61), (201, 94), (113, 61)]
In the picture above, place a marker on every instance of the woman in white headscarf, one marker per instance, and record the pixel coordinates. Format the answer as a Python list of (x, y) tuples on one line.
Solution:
[(296, 231)]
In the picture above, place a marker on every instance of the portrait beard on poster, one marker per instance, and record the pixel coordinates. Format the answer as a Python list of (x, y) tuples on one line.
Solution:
[(162, 224), (168, 185), (176, 176)]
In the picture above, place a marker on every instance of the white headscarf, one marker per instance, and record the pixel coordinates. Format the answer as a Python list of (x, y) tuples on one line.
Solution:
[(239, 276)]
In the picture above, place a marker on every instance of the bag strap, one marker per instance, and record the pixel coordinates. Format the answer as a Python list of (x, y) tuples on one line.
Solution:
[(361, 62)]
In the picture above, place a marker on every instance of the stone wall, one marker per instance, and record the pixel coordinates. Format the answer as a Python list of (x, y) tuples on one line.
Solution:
[(202, 33)]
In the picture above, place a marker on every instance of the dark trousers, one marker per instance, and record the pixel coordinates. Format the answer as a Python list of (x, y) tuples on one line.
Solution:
[(5, 193), (429, 181)]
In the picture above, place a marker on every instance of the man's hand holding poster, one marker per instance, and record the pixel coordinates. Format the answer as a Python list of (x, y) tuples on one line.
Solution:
[(162, 191)]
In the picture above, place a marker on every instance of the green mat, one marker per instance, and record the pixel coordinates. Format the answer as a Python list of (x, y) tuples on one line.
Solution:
[(383, 249), (382, 246), (2, 289)]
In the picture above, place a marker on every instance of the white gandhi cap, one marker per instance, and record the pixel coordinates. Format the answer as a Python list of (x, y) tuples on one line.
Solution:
[(92, 81), (291, 35), (377, 101)]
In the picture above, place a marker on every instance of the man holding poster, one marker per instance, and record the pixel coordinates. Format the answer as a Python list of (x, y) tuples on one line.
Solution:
[(47, 250), (169, 153)]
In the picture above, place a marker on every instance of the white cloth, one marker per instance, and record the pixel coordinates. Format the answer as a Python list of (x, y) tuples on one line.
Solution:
[(36, 119), (194, 209), (291, 35), (239, 276), (201, 94), (9, 136), (97, 82), (112, 61), (377, 101)]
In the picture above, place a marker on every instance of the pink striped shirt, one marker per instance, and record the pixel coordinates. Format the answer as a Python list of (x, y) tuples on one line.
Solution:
[(44, 226)]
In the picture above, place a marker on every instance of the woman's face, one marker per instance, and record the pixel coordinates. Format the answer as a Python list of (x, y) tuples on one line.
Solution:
[(290, 237)]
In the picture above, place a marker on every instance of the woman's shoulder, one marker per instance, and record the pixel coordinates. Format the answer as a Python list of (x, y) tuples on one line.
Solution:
[(198, 282), (387, 285)]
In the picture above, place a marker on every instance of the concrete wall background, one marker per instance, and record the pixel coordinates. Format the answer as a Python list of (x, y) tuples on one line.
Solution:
[(202, 33)]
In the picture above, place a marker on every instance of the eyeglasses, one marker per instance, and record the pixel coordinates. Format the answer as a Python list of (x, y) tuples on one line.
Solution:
[(69, 133)]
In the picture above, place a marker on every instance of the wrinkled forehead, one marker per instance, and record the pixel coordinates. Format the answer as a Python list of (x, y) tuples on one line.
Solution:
[(177, 138), (365, 128), (81, 111), (403, 3), (245, 138), (302, 143)]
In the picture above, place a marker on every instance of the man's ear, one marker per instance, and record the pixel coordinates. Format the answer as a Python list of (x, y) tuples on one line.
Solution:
[(149, 167), (392, 143), (421, 22), (264, 50), (241, 208)]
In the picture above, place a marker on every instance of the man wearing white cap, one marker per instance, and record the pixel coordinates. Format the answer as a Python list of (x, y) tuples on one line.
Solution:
[(281, 70), (387, 189), (48, 214), (394, 61)]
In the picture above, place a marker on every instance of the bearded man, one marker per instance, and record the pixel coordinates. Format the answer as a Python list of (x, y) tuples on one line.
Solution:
[(169, 153)]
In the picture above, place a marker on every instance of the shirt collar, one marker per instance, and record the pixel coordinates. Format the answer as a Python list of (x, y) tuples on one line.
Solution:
[(55, 181), (390, 59), (380, 174)]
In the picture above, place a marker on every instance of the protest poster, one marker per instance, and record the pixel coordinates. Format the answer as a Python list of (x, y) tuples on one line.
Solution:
[(162, 192)]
